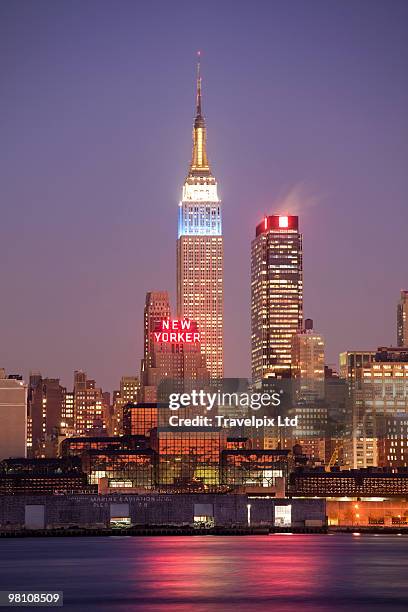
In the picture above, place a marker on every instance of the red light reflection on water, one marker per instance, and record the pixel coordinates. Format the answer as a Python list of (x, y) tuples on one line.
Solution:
[(213, 573)]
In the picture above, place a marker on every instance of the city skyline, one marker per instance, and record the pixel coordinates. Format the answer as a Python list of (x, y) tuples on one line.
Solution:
[(210, 338), (77, 238)]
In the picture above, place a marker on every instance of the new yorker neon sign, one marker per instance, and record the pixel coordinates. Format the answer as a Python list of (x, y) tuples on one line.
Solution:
[(177, 330)]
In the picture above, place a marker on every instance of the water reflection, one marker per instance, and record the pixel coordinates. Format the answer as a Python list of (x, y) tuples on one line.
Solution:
[(205, 573)]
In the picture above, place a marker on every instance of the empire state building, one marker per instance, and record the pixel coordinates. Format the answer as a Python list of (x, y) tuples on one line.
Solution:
[(200, 249)]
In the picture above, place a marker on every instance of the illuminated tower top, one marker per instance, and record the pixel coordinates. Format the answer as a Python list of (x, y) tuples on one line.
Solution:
[(199, 167), (199, 212), (200, 185)]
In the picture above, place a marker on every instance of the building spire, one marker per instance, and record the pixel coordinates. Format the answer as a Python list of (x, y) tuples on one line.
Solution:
[(198, 96), (199, 162)]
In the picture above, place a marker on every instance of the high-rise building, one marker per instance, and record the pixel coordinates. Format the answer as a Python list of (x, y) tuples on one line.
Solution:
[(157, 308), (402, 319), (176, 361), (308, 392), (276, 295), (392, 440), (47, 401), (308, 363), (378, 397), (172, 350), (13, 417), (384, 394), (352, 366), (67, 409), (128, 392), (89, 406), (200, 249)]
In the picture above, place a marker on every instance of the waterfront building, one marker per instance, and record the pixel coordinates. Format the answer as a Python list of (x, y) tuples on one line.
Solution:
[(43, 476), (189, 458), (72, 447), (253, 469), (160, 509), (375, 512), (234, 443), (121, 469), (365, 482)]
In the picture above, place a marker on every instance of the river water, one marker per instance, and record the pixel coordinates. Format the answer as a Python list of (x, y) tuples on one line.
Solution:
[(280, 572)]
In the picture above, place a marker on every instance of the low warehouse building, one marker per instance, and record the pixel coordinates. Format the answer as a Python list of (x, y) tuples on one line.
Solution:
[(157, 509)]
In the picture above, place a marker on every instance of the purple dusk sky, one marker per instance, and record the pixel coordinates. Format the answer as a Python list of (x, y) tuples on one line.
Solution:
[(307, 112)]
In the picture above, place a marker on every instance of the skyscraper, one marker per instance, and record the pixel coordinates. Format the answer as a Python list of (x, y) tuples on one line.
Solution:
[(177, 363), (402, 319), (276, 295), (157, 308), (89, 405), (307, 370), (46, 410), (172, 350), (200, 249)]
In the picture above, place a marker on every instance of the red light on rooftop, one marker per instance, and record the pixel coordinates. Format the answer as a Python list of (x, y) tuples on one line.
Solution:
[(277, 223)]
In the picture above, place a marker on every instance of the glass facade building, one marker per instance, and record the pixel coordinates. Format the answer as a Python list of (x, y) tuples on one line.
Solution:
[(253, 468), (123, 469), (188, 458)]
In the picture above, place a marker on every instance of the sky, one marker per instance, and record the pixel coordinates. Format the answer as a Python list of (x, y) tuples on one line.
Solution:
[(306, 105)]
